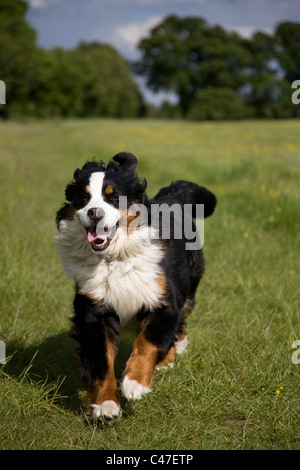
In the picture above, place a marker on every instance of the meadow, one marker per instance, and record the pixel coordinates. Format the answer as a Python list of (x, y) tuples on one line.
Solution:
[(237, 385)]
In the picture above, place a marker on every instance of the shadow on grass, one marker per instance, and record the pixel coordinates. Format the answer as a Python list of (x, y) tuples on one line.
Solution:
[(54, 361)]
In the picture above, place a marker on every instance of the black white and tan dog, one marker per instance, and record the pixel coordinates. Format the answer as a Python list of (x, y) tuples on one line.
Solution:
[(125, 270)]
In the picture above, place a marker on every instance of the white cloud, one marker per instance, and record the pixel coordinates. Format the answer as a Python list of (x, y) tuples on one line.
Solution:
[(247, 31), (44, 4), (37, 4), (133, 32), (125, 37)]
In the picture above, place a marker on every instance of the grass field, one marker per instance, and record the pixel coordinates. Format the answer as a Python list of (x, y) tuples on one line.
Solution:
[(236, 387)]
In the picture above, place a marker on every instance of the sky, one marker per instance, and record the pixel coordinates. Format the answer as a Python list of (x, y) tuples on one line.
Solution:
[(122, 23)]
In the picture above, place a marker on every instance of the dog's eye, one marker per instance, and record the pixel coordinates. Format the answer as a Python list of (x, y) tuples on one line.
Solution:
[(113, 197), (85, 198)]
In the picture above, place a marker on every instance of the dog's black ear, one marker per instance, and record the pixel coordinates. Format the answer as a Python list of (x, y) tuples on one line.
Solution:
[(127, 160), (71, 187), (70, 191), (76, 173)]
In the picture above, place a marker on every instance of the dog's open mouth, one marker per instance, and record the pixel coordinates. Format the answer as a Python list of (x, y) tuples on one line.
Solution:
[(100, 241)]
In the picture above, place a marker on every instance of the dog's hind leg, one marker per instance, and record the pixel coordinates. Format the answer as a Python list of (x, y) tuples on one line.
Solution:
[(168, 361), (182, 341)]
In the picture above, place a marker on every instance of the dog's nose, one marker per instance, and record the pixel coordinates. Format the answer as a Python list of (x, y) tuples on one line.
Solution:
[(96, 214)]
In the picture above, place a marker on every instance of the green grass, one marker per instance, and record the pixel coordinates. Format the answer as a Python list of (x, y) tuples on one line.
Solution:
[(236, 387)]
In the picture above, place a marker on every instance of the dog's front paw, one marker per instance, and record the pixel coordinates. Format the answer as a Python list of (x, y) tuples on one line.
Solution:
[(132, 390), (108, 410)]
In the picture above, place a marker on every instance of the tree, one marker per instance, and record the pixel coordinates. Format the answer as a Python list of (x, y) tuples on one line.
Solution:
[(184, 55), (218, 103), (59, 86), (262, 75), (191, 58), (108, 87), (91, 80), (287, 36), (19, 56)]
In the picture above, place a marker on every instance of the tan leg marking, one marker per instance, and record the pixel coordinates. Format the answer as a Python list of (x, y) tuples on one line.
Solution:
[(168, 361), (139, 368), (103, 393), (186, 311)]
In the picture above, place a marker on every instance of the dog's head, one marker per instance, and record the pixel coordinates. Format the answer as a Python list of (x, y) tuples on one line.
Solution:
[(100, 197)]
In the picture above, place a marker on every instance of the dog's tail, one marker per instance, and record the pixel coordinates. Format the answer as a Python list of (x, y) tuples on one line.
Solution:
[(189, 193)]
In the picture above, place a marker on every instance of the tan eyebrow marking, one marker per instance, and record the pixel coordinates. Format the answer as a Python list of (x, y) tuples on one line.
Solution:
[(109, 190)]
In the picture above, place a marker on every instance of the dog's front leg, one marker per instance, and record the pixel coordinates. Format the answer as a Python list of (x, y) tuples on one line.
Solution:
[(156, 337), (97, 331)]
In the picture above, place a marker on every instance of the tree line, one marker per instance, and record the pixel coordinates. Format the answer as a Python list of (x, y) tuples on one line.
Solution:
[(216, 74), (90, 80)]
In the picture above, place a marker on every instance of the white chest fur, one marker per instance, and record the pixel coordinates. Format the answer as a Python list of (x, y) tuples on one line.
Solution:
[(125, 284)]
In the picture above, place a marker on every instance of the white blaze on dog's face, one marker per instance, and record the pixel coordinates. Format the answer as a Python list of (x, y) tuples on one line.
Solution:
[(99, 218), (104, 200)]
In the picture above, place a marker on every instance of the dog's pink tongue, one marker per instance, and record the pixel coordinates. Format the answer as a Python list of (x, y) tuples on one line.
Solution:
[(92, 235)]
